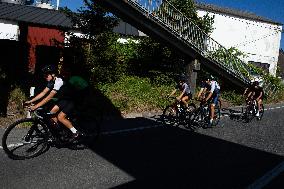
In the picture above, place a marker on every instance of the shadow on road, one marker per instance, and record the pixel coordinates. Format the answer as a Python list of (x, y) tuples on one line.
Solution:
[(171, 157)]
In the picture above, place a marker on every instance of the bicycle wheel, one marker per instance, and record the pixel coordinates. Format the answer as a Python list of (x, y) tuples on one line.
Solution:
[(25, 139), (169, 116), (190, 115), (249, 113), (217, 114), (261, 112)]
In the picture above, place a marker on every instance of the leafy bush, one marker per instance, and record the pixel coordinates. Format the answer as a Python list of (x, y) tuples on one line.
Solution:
[(136, 94), (233, 97), (17, 96)]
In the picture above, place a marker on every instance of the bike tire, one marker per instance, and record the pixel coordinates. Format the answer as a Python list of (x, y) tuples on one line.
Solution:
[(169, 116), (249, 113), (261, 112), (217, 114), (190, 115), (25, 138)]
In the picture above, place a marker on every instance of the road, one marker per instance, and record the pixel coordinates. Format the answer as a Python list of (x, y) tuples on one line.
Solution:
[(143, 153)]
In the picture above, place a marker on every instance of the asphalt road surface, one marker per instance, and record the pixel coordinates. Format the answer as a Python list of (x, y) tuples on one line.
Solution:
[(143, 153)]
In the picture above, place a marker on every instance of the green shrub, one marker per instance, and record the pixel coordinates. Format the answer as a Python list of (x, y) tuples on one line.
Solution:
[(136, 94), (17, 96), (233, 97)]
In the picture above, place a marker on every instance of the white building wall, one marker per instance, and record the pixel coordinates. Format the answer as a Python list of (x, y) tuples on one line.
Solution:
[(259, 40), (9, 30)]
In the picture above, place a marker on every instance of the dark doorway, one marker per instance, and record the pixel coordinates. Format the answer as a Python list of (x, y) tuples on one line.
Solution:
[(11, 70)]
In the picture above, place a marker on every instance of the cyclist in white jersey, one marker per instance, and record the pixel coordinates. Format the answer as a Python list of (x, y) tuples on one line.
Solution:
[(62, 107), (54, 83), (213, 96)]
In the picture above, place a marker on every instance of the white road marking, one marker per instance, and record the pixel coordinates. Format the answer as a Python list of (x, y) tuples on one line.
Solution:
[(128, 130), (269, 176)]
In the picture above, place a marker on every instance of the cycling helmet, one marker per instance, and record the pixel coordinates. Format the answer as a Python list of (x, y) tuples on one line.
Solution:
[(254, 82), (183, 78), (49, 69), (210, 78)]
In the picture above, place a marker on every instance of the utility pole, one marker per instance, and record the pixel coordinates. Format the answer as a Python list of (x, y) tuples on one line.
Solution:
[(57, 4)]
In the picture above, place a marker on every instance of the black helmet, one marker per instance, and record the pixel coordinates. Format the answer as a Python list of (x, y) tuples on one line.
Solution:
[(210, 77), (183, 78), (49, 69)]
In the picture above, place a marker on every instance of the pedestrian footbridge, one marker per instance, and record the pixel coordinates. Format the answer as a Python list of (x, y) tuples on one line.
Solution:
[(160, 19)]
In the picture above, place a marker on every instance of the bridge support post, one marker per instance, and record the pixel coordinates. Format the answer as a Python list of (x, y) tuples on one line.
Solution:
[(192, 68)]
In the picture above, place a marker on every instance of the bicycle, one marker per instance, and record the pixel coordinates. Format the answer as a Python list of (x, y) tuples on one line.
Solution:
[(201, 116), (176, 113), (251, 110), (30, 137)]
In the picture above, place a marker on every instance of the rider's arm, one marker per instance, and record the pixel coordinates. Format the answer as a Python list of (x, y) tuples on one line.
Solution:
[(46, 99), (260, 95), (209, 96), (173, 92), (181, 94), (202, 90), (39, 96), (213, 86), (245, 92)]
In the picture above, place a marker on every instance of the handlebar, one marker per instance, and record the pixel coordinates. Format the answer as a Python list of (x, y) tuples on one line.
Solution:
[(39, 112)]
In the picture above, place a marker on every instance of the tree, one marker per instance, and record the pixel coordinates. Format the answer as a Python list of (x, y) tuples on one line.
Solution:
[(188, 9), (96, 49)]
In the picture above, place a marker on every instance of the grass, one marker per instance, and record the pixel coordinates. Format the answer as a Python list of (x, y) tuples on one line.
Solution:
[(134, 94)]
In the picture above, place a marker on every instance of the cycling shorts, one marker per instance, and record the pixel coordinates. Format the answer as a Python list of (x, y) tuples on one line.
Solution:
[(66, 106), (215, 97)]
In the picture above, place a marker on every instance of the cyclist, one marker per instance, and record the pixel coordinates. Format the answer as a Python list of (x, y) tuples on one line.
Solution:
[(213, 96), (54, 83), (184, 88), (204, 88), (249, 91), (63, 106), (258, 96)]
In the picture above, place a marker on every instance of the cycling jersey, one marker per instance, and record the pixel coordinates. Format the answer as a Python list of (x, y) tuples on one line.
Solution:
[(184, 88), (258, 91), (55, 84), (214, 87), (71, 94)]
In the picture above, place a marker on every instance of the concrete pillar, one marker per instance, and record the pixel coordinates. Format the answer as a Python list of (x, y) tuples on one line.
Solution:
[(192, 68)]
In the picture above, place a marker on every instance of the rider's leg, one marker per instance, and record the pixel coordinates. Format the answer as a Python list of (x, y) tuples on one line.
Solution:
[(54, 110), (67, 107), (212, 107), (212, 112), (258, 102), (62, 117), (184, 101)]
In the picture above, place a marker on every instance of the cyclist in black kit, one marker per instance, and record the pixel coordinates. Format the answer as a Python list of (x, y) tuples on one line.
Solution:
[(63, 93)]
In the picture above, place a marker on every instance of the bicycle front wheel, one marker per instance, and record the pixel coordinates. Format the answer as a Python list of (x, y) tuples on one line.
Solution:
[(261, 112), (25, 139), (217, 114), (169, 116)]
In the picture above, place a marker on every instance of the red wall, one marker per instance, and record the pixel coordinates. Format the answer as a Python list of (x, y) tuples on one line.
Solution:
[(41, 36)]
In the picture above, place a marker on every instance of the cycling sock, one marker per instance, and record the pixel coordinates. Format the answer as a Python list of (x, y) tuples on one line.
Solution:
[(73, 130)]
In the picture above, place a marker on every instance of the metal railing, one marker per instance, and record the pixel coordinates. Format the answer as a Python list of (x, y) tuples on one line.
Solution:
[(164, 13), (171, 18)]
